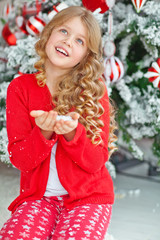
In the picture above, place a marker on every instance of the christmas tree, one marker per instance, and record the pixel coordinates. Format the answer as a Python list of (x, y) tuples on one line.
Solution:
[(137, 95), (131, 40)]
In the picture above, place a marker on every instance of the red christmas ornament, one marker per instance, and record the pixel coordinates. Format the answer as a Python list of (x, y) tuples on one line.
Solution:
[(94, 4), (138, 4), (12, 31), (57, 9), (114, 69), (35, 25), (8, 36), (154, 73)]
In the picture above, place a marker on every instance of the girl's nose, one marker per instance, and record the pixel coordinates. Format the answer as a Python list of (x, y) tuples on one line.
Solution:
[(68, 40)]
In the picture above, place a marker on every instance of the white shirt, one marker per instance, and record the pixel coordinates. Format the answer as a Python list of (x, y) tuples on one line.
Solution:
[(54, 187)]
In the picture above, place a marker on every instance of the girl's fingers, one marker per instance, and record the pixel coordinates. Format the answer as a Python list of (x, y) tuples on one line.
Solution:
[(37, 113), (58, 128), (51, 118), (41, 119), (47, 121), (62, 127), (44, 120), (74, 115)]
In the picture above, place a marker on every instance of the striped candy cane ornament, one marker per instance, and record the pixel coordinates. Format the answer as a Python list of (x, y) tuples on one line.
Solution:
[(154, 74), (35, 25), (138, 4), (114, 69)]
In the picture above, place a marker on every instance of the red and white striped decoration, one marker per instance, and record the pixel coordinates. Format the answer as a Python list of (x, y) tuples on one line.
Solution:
[(20, 22), (114, 69), (57, 9), (35, 25), (154, 74), (7, 9), (138, 4)]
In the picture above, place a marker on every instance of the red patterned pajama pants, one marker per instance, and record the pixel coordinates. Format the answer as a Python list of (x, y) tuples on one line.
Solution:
[(48, 219)]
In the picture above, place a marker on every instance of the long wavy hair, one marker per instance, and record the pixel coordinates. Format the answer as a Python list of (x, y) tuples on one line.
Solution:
[(80, 88)]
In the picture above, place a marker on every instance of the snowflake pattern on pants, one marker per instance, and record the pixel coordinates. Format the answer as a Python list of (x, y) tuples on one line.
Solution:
[(48, 219)]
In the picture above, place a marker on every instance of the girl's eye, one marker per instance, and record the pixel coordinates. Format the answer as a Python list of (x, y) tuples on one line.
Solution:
[(80, 41), (64, 31)]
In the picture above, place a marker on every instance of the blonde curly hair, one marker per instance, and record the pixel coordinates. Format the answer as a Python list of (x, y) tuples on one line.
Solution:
[(80, 89)]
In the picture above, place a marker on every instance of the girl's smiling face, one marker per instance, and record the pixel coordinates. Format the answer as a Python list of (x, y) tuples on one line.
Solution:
[(67, 45)]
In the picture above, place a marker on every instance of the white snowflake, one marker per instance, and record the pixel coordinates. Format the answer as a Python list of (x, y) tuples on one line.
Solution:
[(62, 232), (47, 210), (26, 227), (76, 225), (94, 218), (87, 232), (15, 220), (28, 221), (72, 233), (96, 214), (35, 211), (38, 233), (42, 222), (30, 216), (81, 215), (19, 211), (44, 218), (41, 228), (90, 227), (86, 207), (92, 222), (99, 233), (24, 234), (12, 226)]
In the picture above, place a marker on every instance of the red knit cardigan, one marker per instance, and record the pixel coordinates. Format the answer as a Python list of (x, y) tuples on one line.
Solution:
[(80, 164)]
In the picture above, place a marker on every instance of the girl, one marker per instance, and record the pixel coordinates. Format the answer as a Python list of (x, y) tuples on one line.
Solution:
[(66, 192)]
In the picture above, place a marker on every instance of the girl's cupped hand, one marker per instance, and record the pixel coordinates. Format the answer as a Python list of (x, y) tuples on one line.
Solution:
[(47, 121), (44, 120), (64, 127)]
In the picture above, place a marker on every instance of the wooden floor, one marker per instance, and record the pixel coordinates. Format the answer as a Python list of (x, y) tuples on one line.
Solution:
[(136, 212)]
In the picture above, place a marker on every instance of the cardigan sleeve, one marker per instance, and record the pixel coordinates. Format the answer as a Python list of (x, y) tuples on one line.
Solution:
[(88, 156), (27, 147)]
